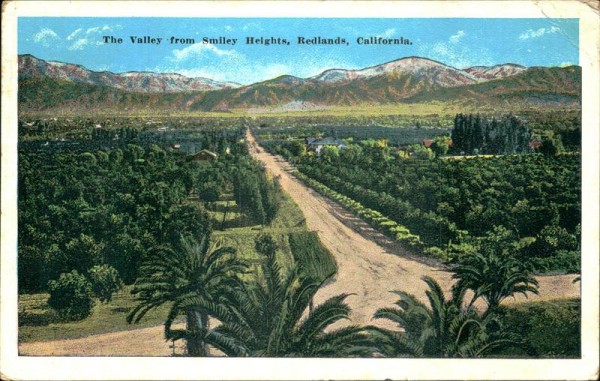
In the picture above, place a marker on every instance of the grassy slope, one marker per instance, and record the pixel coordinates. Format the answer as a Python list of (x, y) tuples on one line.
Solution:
[(43, 325)]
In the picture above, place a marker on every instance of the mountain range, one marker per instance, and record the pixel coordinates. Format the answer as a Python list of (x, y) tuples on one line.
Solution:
[(148, 82), (47, 85)]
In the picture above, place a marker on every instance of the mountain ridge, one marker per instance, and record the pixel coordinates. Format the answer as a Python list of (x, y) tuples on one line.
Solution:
[(406, 80), (141, 81), (412, 64)]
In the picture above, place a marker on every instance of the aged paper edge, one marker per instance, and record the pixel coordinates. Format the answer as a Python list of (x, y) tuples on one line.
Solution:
[(62, 368)]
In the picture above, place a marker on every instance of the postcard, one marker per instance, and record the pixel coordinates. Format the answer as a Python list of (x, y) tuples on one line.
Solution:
[(300, 190)]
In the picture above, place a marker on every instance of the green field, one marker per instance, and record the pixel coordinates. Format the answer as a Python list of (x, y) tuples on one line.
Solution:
[(38, 322)]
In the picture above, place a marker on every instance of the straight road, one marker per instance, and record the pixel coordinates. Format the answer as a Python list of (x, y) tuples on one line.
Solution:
[(370, 264)]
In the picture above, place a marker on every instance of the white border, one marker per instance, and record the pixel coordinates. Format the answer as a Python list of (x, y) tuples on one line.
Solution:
[(60, 368)]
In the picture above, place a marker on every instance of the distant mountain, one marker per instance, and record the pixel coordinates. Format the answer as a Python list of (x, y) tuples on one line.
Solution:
[(433, 72), (32, 67), (495, 72), (44, 85), (406, 80), (532, 86)]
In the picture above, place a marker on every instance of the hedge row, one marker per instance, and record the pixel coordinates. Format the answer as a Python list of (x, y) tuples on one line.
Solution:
[(374, 218)]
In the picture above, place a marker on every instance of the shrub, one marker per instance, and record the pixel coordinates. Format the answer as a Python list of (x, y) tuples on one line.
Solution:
[(313, 259), (105, 281), (549, 329), (71, 296)]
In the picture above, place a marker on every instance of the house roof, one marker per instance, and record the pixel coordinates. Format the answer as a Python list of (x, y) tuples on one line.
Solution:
[(325, 141), (205, 152)]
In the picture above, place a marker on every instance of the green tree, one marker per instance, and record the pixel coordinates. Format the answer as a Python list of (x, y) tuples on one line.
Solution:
[(493, 278), (420, 152), (105, 281), (444, 328), (441, 145), (71, 296), (331, 154), (196, 278), (551, 146), (267, 319)]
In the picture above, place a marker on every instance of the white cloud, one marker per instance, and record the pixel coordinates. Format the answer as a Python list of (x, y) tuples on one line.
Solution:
[(93, 30), (79, 44), (198, 50), (74, 34), (455, 38), (228, 28), (530, 33), (388, 33), (458, 56), (252, 25), (45, 36), (91, 36)]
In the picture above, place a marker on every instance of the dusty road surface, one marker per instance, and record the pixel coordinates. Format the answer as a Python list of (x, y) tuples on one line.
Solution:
[(370, 265), (136, 342)]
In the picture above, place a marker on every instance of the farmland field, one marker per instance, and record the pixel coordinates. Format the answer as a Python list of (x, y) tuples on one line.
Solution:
[(111, 191), (528, 204)]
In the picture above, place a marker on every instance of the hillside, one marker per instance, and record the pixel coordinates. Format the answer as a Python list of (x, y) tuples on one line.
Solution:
[(147, 82), (534, 86), (407, 80)]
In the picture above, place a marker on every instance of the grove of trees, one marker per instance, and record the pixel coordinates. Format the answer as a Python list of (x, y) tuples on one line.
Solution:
[(133, 211), (477, 134), (80, 208)]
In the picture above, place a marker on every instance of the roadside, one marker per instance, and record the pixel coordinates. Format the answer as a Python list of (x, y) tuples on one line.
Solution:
[(370, 264)]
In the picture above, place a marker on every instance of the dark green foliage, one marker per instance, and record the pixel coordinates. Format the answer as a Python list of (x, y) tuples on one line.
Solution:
[(444, 328), (105, 282), (82, 204), (185, 219), (440, 145), (197, 277), (563, 261), (548, 329), (493, 278), (551, 146), (272, 138), (315, 262), (450, 203), (254, 193), (267, 318), (563, 125), (473, 134), (551, 239), (71, 296)]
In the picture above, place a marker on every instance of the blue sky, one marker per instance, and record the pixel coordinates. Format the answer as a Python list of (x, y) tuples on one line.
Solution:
[(457, 42)]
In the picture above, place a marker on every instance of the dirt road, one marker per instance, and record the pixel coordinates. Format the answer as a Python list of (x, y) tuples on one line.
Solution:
[(137, 342), (370, 265)]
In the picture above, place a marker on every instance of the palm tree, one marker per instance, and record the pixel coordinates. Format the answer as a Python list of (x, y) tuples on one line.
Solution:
[(197, 278), (445, 328), (493, 278), (267, 317)]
